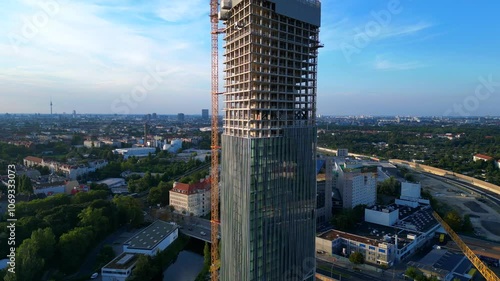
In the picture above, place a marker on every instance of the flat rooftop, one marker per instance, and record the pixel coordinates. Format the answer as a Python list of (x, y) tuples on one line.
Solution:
[(444, 261), (151, 236), (123, 261), (421, 221)]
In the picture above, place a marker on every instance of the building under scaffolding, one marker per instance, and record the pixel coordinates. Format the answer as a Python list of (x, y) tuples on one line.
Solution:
[(268, 177)]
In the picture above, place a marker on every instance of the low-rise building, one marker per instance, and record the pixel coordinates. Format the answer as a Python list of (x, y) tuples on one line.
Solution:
[(135, 151), (31, 161), (152, 239), (389, 234), (444, 265), (92, 143), (481, 157), (120, 268), (71, 171), (344, 244), (191, 198), (50, 188), (113, 182)]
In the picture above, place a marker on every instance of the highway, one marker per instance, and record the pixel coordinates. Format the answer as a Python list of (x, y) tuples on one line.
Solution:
[(488, 194), (197, 228)]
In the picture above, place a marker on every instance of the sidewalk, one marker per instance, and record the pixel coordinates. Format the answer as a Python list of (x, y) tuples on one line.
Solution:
[(394, 273)]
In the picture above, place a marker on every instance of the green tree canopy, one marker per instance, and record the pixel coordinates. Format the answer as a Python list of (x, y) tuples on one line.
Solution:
[(357, 258)]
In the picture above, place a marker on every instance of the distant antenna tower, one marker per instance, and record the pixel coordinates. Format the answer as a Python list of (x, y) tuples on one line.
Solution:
[(50, 106)]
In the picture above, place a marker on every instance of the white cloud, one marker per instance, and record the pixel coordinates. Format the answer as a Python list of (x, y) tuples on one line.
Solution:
[(92, 49), (386, 64), (405, 30)]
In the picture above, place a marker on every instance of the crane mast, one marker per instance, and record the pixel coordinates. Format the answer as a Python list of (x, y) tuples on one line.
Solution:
[(214, 194), (487, 273)]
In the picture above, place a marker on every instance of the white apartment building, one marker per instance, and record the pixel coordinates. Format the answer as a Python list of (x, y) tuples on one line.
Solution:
[(191, 198), (70, 171)]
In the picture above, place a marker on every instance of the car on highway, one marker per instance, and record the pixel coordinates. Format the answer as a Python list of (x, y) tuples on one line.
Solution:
[(94, 276), (203, 233)]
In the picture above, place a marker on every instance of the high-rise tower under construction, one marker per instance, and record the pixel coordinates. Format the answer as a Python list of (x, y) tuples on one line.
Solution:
[(268, 182)]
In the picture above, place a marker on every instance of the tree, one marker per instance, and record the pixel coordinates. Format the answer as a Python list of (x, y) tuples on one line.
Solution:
[(129, 210), (411, 272), (390, 186), (206, 254), (83, 197), (73, 247), (159, 194), (357, 258), (453, 219), (24, 185), (467, 225), (28, 262), (94, 218), (45, 241), (105, 255), (144, 269)]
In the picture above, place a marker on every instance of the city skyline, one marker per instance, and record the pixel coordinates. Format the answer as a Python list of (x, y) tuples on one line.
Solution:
[(380, 58)]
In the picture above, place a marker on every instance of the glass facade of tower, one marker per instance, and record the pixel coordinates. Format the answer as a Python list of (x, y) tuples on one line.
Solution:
[(268, 181)]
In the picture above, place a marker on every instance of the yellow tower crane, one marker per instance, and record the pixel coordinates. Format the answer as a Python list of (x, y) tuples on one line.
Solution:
[(487, 273)]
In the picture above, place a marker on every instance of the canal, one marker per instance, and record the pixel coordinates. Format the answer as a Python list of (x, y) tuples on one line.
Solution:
[(188, 264)]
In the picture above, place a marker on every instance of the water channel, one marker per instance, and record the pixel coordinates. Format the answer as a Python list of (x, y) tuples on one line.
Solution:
[(188, 264)]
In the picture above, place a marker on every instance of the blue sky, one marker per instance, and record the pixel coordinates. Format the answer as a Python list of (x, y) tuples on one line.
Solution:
[(387, 57)]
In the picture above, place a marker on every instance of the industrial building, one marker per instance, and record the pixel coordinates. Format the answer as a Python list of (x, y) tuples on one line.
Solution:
[(153, 239), (444, 265), (389, 234), (120, 268), (268, 182), (135, 151)]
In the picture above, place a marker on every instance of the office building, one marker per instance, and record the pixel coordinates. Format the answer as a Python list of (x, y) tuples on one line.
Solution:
[(342, 152), (180, 117), (357, 183), (204, 114), (268, 179)]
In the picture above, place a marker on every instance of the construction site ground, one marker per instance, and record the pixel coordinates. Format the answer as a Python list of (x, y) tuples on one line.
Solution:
[(483, 214)]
